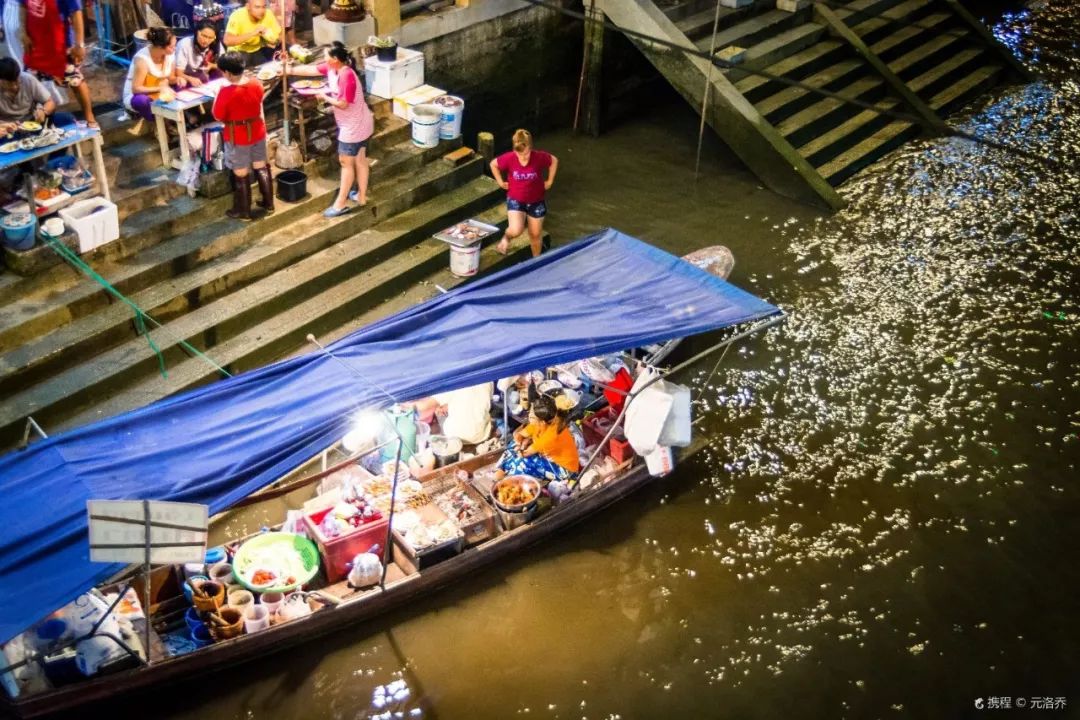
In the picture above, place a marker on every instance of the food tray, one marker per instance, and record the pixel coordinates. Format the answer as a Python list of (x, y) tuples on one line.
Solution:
[(482, 527), (411, 560), (451, 234)]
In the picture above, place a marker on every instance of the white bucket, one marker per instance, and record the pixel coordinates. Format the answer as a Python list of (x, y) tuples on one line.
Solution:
[(465, 261), (453, 108), (425, 125)]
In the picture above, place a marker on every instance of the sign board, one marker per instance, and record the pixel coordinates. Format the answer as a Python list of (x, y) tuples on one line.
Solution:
[(118, 531)]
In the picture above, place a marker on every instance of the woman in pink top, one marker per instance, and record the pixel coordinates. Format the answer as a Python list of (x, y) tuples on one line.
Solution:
[(355, 123), (525, 188)]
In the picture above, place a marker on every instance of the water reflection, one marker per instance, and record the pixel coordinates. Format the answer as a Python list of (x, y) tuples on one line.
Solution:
[(883, 523)]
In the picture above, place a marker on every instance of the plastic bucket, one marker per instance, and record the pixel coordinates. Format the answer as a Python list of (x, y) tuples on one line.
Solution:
[(465, 261), (425, 125), (291, 185), (453, 108)]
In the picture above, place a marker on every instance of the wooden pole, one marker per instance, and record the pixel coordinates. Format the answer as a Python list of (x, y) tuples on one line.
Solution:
[(592, 71), (485, 145)]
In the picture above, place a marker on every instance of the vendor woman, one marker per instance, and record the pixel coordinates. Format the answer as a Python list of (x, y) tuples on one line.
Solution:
[(544, 448)]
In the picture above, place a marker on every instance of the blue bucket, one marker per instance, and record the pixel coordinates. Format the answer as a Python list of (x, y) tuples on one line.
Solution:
[(201, 636), (19, 230), (191, 617)]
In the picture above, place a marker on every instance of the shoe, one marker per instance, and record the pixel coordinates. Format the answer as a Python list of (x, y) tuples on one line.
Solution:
[(266, 189), (333, 212)]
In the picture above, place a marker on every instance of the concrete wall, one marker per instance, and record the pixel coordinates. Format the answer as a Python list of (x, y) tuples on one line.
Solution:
[(515, 64)]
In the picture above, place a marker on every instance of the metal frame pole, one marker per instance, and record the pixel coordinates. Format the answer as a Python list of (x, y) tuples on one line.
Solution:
[(146, 577)]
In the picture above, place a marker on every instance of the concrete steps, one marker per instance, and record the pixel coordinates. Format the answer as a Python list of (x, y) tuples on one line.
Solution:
[(69, 344), (753, 30), (261, 293), (197, 231), (361, 296), (777, 47)]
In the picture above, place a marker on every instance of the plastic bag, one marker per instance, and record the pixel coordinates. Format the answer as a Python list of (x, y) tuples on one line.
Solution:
[(646, 413), (189, 174)]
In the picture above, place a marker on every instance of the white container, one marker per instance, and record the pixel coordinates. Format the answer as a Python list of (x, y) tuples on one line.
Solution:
[(406, 103), (464, 260), (96, 222), (425, 126), (453, 108), (256, 618), (390, 79), (660, 461)]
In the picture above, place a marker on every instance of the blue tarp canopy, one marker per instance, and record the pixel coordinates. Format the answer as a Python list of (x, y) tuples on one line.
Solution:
[(218, 444)]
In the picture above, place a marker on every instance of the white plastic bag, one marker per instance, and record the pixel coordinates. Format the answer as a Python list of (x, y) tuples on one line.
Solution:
[(678, 429), (646, 413)]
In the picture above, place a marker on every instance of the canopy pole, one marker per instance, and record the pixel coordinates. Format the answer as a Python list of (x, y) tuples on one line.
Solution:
[(146, 577), (387, 554)]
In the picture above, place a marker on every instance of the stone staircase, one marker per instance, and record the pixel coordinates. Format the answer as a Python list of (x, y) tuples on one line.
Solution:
[(919, 59), (245, 294)]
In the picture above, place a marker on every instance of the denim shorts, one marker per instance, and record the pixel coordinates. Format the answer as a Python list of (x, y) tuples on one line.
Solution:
[(350, 149), (533, 210)]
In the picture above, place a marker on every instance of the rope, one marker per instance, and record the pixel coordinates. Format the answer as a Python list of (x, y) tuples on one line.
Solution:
[(141, 316), (887, 112)]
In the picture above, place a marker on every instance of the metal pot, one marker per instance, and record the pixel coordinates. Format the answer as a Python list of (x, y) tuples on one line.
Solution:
[(446, 448)]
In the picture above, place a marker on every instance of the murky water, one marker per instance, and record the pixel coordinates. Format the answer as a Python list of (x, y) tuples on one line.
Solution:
[(885, 522)]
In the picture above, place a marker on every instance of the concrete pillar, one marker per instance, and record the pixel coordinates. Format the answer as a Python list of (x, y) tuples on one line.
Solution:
[(485, 145), (387, 14)]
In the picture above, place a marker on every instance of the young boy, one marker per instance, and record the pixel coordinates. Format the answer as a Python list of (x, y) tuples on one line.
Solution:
[(239, 105)]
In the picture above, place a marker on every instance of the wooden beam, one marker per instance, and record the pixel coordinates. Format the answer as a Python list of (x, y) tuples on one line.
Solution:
[(927, 117)]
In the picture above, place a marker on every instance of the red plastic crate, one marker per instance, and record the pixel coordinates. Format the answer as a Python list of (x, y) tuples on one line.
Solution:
[(338, 552), (620, 450)]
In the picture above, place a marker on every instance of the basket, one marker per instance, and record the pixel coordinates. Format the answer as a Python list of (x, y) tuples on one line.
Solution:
[(485, 526)]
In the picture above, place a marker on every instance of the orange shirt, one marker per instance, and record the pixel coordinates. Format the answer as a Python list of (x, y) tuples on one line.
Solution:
[(559, 447)]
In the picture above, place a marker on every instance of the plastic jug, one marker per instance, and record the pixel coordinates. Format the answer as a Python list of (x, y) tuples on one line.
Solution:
[(404, 420)]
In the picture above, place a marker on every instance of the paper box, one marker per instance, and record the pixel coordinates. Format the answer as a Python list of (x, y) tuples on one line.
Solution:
[(407, 101), (390, 79)]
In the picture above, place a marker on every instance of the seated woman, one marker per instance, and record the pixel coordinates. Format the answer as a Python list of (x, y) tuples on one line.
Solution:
[(196, 56), (544, 448), (152, 70), (23, 97)]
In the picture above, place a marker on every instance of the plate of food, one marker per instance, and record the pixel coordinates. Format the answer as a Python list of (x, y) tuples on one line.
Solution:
[(30, 126), (9, 147), (309, 84), (267, 73)]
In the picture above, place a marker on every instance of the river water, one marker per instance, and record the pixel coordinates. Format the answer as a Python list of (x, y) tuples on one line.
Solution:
[(884, 524)]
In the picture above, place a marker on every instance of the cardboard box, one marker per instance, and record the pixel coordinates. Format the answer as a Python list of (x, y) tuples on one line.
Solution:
[(407, 101), (390, 79)]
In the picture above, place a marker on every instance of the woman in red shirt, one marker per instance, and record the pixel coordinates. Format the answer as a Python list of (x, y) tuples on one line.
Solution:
[(239, 106), (525, 186)]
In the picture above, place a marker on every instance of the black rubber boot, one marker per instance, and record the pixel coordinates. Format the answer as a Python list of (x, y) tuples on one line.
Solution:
[(266, 188), (242, 195)]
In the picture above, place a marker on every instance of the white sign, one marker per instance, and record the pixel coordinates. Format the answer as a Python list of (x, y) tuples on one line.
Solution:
[(118, 531)]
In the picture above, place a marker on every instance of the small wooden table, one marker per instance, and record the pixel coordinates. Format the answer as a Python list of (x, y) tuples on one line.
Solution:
[(79, 135)]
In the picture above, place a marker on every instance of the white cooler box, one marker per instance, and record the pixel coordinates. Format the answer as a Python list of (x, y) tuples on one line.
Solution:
[(405, 103), (95, 220), (390, 79)]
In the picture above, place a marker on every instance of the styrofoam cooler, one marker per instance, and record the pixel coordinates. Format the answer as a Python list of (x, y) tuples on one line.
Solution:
[(453, 109), (406, 103), (390, 79), (95, 221)]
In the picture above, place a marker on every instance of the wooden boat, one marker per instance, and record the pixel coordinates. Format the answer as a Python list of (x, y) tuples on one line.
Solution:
[(670, 300), (355, 606)]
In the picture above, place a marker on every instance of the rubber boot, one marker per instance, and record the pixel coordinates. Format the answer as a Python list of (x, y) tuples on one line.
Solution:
[(234, 211), (266, 188), (242, 195)]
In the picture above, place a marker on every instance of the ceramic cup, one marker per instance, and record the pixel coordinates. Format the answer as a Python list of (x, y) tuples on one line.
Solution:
[(256, 617), (241, 598), (221, 572), (271, 601)]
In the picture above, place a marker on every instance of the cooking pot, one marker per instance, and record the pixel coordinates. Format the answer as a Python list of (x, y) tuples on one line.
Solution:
[(446, 449)]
